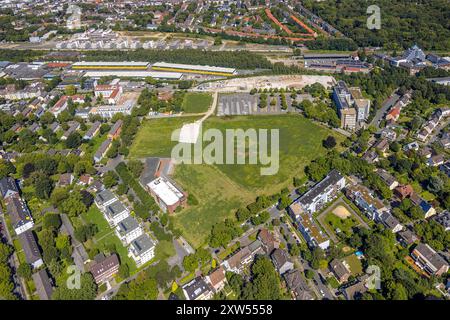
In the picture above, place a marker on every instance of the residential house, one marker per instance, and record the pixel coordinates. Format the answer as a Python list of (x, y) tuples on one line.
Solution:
[(198, 289), (407, 237), (411, 146), (30, 249), (142, 250), (217, 279), (8, 187), (371, 156), (104, 198), (393, 114), (427, 208), (387, 178), (65, 180), (93, 130), (115, 130), (268, 240), (308, 227), (102, 150), (43, 284), (243, 257), (403, 191), (444, 220), (73, 126), (341, 270), (390, 222), (105, 268), (382, 146), (21, 219), (357, 289), (282, 261), (85, 180), (115, 213), (322, 193), (297, 285), (429, 260), (436, 160), (128, 230), (364, 199)]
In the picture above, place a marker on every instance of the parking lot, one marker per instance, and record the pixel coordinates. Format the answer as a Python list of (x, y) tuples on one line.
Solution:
[(246, 104)]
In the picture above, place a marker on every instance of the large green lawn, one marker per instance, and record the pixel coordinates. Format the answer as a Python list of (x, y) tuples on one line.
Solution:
[(221, 189), (196, 102)]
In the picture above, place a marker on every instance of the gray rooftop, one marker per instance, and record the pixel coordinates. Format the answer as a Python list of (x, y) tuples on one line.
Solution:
[(43, 284), (142, 244), (127, 225), (332, 178), (115, 208), (104, 196)]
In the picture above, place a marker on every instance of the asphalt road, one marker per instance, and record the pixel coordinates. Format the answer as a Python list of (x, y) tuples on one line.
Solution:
[(384, 109)]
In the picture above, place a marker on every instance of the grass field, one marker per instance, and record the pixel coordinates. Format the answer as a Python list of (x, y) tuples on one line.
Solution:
[(93, 215), (345, 225), (194, 102), (221, 189)]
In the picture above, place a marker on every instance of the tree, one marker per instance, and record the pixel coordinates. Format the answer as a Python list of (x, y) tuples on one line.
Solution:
[(24, 271), (43, 186), (73, 140), (5, 251), (87, 291), (110, 179), (265, 283), (52, 220), (73, 206), (190, 263), (136, 167), (85, 232), (124, 271), (309, 274), (329, 142)]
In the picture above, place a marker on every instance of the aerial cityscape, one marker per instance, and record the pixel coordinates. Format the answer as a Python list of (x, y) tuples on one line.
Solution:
[(231, 150)]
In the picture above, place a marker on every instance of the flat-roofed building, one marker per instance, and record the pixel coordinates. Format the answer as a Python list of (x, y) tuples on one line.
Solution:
[(115, 213), (309, 229), (139, 74), (189, 68), (322, 193), (142, 250), (110, 65), (167, 195), (104, 198), (128, 230)]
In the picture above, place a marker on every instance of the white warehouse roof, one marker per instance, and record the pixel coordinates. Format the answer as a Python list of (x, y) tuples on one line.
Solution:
[(165, 190), (134, 74), (193, 67), (110, 63)]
